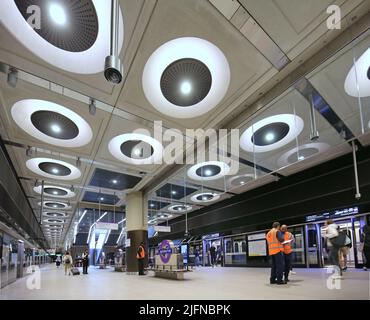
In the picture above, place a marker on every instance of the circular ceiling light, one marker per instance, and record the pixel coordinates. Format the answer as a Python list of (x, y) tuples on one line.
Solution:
[(53, 169), (271, 133), (164, 216), (186, 82), (240, 180), (55, 221), (179, 208), (357, 83), (205, 197), (74, 34), (55, 214), (136, 148), (55, 205), (301, 152), (52, 123), (210, 170), (186, 77), (55, 191)]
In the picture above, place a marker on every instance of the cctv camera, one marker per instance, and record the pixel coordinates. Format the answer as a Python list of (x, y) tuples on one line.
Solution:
[(113, 69)]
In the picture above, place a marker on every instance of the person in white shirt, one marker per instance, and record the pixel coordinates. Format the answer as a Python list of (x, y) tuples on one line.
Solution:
[(67, 260), (331, 232)]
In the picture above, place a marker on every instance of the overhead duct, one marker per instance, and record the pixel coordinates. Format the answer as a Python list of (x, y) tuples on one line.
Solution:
[(113, 69)]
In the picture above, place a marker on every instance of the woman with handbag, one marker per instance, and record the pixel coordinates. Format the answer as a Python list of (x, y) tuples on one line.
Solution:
[(67, 259)]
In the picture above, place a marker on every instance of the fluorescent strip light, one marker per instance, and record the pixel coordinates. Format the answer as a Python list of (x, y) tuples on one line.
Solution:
[(106, 240), (88, 237), (82, 216), (122, 221), (120, 235), (104, 214)]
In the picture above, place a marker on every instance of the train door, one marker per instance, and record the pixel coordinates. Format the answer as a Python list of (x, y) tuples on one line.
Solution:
[(353, 227), (5, 261), (312, 243), (298, 247), (207, 243)]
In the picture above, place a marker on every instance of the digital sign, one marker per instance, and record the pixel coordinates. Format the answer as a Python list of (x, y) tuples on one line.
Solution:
[(333, 214)]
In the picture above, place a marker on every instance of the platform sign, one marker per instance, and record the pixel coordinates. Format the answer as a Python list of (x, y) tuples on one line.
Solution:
[(332, 214), (162, 228), (106, 226)]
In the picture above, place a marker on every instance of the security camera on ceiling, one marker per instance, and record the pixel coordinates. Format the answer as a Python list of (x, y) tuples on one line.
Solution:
[(113, 69)]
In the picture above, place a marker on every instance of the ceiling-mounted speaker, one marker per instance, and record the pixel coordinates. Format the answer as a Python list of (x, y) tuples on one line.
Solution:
[(113, 69)]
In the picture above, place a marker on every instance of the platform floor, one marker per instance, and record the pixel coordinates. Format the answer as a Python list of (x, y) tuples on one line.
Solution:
[(203, 283)]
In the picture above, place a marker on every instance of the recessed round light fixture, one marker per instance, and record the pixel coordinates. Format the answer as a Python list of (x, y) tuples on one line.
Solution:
[(53, 169), (164, 216), (114, 181), (210, 170), (54, 221), (240, 180), (357, 83), (301, 153), (123, 148), (186, 77), (74, 34), (271, 133), (55, 205), (205, 197), (173, 192), (52, 123), (179, 208), (55, 214), (55, 191)]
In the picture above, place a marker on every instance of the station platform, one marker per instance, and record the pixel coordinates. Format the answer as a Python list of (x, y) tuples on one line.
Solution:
[(204, 283)]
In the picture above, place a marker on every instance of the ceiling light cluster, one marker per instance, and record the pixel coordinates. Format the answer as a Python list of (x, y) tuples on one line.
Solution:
[(210, 170), (50, 168), (205, 197), (51, 123), (63, 20), (193, 58), (271, 133)]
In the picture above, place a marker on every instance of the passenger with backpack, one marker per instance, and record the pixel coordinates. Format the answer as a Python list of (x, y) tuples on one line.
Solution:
[(67, 260)]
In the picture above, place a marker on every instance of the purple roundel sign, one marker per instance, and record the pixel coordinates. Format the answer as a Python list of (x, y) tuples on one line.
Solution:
[(165, 251)]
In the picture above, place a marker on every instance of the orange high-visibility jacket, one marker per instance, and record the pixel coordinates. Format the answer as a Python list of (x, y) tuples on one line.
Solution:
[(288, 245), (141, 253), (274, 245)]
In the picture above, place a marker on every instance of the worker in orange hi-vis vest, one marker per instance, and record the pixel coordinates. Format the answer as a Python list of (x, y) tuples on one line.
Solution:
[(288, 243), (140, 255), (275, 241)]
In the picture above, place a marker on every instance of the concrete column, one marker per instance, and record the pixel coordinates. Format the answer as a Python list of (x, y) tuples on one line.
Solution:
[(136, 228)]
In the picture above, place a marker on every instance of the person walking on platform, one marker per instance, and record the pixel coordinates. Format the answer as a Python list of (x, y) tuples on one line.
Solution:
[(275, 247), (67, 260), (366, 246), (57, 261), (85, 261), (331, 234), (213, 253), (141, 258), (288, 242)]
